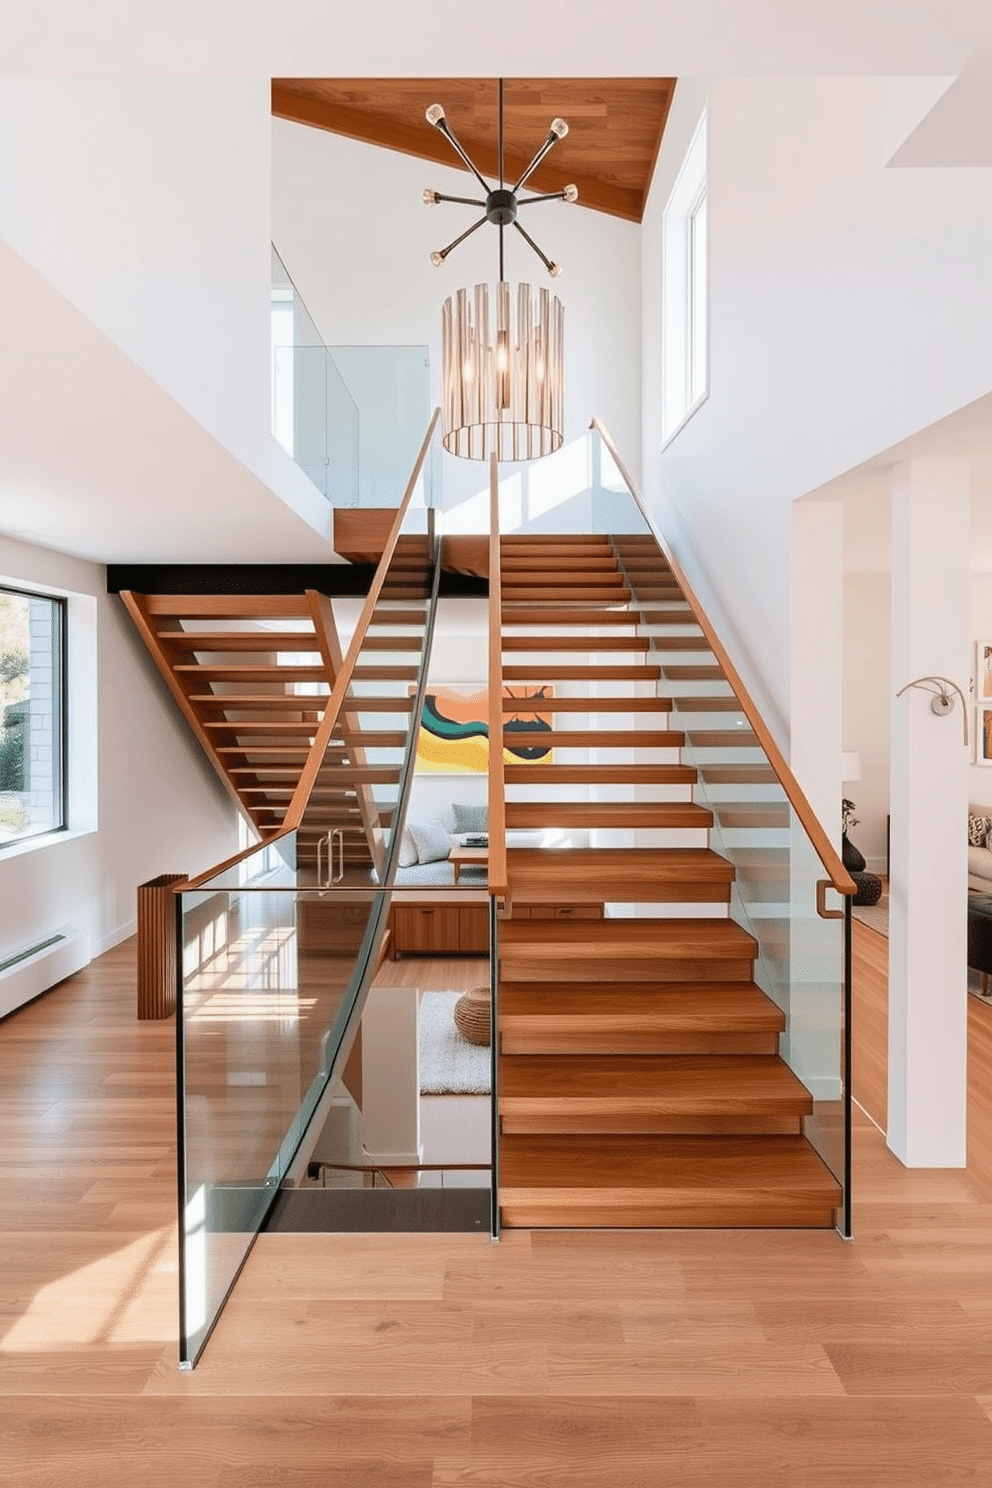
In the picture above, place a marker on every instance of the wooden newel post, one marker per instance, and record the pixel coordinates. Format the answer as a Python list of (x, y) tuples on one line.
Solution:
[(157, 945)]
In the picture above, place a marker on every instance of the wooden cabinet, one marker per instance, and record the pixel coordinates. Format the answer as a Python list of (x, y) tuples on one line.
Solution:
[(333, 926), (440, 929)]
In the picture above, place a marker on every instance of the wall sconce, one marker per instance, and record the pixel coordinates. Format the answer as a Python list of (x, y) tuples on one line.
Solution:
[(942, 703)]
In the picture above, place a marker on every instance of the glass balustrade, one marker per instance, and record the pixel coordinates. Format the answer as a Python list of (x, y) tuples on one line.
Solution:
[(778, 892), (278, 948)]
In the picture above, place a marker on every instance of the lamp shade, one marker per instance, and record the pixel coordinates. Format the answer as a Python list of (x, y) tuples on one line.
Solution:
[(502, 382), (850, 765)]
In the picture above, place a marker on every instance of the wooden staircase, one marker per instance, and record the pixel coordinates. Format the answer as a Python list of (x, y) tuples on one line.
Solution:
[(252, 675), (640, 1082)]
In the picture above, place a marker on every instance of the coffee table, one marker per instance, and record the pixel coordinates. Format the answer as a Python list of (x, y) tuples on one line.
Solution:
[(468, 857)]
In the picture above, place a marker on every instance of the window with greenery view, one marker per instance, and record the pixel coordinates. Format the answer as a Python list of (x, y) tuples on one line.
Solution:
[(32, 712)]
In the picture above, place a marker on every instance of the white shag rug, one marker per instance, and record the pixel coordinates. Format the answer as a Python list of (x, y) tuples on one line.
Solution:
[(449, 1064)]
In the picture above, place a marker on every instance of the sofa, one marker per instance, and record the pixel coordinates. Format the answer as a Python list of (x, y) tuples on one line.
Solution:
[(979, 851)]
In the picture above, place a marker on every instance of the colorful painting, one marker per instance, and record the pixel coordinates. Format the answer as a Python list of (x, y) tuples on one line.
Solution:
[(454, 728)]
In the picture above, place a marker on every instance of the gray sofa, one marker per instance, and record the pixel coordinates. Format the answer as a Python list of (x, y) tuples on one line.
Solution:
[(980, 858)]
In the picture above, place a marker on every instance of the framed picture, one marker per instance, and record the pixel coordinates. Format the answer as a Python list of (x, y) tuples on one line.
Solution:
[(983, 672), (983, 736), (454, 728)]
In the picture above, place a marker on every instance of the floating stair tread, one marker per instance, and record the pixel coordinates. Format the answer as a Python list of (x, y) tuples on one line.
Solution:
[(679, 643), (607, 813), (599, 775), (208, 672), (523, 705), (594, 738), (707, 705), (553, 615), (564, 593), (732, 1168), (577, 643), (694, 673), (296, 641), (753, 814), (671, 1084), (300, 702), (228, 606), (627, 939), (676, 1007), (591, 874), (737, 774)]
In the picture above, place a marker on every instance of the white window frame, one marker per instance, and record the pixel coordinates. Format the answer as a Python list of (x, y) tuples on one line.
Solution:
[(685, 290)]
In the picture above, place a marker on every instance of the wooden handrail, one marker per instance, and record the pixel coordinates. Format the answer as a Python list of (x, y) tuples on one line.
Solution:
[(497, 788), (342, 682), (822, 846)]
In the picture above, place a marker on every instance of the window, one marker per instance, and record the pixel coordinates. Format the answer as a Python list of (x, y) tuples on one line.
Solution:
[(32, 712), (685, 291)]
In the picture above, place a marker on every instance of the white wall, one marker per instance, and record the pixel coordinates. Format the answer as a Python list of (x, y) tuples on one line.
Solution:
[(867, 701), (350, 225), (850, 306), (146, 202), (157, 808)]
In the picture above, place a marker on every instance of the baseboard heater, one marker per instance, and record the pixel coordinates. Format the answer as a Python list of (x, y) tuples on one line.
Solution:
[(28, 973)]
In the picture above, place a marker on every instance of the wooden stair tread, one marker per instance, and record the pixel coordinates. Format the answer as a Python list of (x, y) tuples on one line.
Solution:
[(684, 1084), (783, 1165), (599, 774), (722, 739), (677, 1007), (564, 593), (246, 672), (557, 616), (296, 641), (577, 643), (594, 738), (228, 606), (737, 774), (525, 706), (628, 939), (590, 874), (607, 813)]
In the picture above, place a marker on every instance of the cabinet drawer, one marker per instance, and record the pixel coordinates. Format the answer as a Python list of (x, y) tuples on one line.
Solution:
[(426, 929), (473, 929), (558, 911)]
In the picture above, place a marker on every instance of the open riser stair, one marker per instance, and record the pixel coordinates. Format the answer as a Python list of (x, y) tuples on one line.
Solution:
[(640, 1078)]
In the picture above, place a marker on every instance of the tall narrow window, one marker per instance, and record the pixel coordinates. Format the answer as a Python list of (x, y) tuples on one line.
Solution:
[(32, 713), (685, 290)]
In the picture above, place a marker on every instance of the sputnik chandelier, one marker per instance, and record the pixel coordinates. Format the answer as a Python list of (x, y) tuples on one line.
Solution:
[(502, 385)]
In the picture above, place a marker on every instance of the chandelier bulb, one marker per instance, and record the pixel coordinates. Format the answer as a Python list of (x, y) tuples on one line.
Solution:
[(570, 194), (554, 270), (437, 259), (431, 198), (435, 114), (559, 128)]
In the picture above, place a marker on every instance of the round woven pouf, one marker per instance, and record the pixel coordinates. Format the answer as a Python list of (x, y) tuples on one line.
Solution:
[(472, 1015)]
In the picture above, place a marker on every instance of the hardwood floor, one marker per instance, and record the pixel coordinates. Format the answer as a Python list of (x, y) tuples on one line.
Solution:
[(783, 1359)]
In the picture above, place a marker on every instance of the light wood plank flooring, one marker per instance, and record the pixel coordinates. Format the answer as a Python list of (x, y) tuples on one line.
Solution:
[(782, 1359)]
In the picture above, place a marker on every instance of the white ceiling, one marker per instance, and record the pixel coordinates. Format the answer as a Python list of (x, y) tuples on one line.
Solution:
[(403, 38)]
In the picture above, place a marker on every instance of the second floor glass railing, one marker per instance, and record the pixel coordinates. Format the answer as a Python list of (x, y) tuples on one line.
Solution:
[(350, 416)]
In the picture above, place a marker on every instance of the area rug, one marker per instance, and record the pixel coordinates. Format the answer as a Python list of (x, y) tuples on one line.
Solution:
[(875, 916), (449, 1064)]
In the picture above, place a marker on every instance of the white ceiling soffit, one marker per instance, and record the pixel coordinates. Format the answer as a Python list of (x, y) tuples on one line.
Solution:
[(403, 38), (958, 129), (97, 460)]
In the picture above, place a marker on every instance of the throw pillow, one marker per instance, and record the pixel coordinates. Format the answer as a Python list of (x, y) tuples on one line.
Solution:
[(979, 828), (408, 849), (433, 842), (474, 819)]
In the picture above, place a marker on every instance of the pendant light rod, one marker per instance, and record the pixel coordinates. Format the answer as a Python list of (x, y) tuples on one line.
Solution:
[(441, 123), (433, 197), (502, 181), (557, 131), (437, 259), (553, 269)]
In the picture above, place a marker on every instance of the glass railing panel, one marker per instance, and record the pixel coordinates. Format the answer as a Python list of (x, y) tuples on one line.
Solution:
[(315, 420), (402, 1137), (801, 961), (263, 978), (390, 387)]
